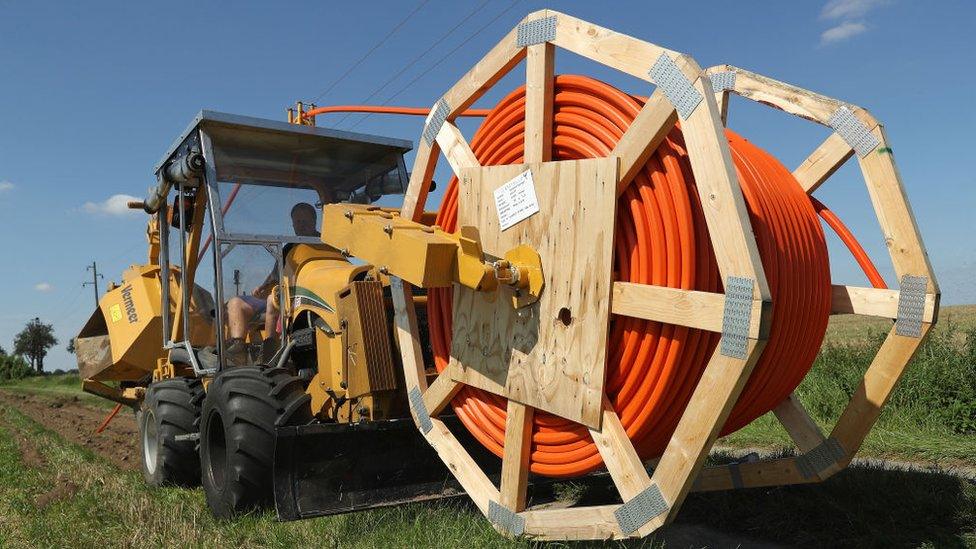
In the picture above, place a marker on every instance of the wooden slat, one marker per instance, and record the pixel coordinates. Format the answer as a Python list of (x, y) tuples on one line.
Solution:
[(474, 481), (423, 170), (707, 411), (440, 392), (618, 453), (539, 66), (595, 522), (802, 429), (823, 162), (455, 148), (486, 73), (613, 49), (877, 302), (702, 310), (642, 138), (875, 389), (515, 464), (787, 97), (776, 472), (721, 197), (405, 318), (894, 213)]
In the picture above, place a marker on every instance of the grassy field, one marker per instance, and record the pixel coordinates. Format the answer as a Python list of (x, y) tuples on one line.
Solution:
[(56, 493)]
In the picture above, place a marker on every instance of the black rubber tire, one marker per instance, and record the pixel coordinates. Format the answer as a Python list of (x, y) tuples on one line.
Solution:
[(171, 408), (237, 425)]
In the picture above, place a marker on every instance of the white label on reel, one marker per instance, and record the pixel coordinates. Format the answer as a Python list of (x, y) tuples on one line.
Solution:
[(516, 200)]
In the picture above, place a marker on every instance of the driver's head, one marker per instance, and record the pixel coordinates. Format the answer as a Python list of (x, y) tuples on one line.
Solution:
[(303, 219)]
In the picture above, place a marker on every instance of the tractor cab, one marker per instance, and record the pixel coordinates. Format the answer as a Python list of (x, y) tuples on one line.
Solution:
[(238, 206)]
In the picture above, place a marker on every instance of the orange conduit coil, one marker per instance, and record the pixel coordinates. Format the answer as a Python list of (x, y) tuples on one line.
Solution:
[(661, 239)]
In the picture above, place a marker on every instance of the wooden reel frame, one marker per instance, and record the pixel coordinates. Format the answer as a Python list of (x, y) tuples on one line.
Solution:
[(652, 501)]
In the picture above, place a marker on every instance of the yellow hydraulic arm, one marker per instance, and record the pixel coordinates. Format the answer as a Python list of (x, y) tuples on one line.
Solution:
[(427, 256)]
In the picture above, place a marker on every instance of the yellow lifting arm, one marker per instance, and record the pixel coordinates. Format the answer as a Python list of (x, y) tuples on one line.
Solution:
[(427, 256)]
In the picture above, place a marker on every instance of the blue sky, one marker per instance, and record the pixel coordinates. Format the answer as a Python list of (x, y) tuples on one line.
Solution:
[(92, 93)]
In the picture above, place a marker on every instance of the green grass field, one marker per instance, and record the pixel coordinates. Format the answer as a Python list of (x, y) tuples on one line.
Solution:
[(55, 493)]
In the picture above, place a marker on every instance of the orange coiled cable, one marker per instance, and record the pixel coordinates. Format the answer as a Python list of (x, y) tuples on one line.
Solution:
[(662, 239)]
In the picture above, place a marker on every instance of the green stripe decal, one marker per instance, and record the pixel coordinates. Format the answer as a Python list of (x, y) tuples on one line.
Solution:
[(299, 291)]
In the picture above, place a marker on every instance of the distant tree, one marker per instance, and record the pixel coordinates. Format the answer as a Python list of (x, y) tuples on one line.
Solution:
[(71, 346), (13, 367), (34, 341), (3, 352)]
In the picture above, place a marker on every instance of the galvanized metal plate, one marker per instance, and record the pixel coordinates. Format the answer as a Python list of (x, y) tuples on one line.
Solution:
[(825, 455), (433, 127), (853, 131), (911, 305), (675, 85), (420, 410), (505, 519), (737, 316), (722, 81), (641, 508), (536, 31)]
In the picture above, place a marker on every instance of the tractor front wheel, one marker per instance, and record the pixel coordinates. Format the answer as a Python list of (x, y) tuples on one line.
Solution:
[(171, 409), (237, 426)]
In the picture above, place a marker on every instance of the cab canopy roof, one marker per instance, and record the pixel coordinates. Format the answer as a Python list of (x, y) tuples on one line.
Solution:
[(259, 151)]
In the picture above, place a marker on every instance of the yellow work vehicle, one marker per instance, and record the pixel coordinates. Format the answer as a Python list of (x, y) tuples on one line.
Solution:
[(261, 327), (613, 280)]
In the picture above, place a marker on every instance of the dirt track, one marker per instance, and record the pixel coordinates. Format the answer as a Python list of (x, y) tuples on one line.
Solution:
[(76, 421)]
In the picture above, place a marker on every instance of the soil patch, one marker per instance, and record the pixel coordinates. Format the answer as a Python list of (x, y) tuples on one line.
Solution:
[(76, 421)]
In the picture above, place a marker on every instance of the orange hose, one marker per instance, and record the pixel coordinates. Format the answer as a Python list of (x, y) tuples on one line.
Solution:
[(108, 419), (421, 111), (662, 239)]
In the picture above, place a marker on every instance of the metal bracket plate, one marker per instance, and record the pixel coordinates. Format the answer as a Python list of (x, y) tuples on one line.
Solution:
[(911, 305), (826, 454), (505, 519), (536, 31), (722, 81), (433, 127), (675, 85), (857, 135), (641, 508), (420, 410), (737, 316)]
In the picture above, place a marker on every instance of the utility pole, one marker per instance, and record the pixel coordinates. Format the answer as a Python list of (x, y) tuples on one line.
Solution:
[(95, 276), (237, 282)]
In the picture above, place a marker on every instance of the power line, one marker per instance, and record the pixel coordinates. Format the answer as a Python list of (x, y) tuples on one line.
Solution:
[(442, 59), (371, 50), (416, 59)]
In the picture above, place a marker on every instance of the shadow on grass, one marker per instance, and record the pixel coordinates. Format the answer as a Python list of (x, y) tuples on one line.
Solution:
[(858, 507)]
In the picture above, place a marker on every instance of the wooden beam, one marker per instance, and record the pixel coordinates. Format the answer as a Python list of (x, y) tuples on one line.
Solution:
[(775, 472), (822, 163), (702, 310), (486, 73), (455, 148), (802, 429), (877, 302), (441, 392), (424, 164), (642, 138), (618, 453), (515, 463), (539, 67), (706, 413), (897, 221), (725, 211), (595, 522), (875, 389), (613, 49)]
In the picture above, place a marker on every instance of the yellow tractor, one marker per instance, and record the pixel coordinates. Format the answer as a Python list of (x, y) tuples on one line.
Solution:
[(612, 281)]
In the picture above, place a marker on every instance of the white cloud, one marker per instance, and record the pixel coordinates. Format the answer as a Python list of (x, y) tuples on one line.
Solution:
[(43, 287), (117, 205), (6, 186), (849, 9), (843, 31)]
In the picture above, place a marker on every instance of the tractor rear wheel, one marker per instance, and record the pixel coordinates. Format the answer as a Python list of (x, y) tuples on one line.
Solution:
[(171, 409), (237, 426)]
